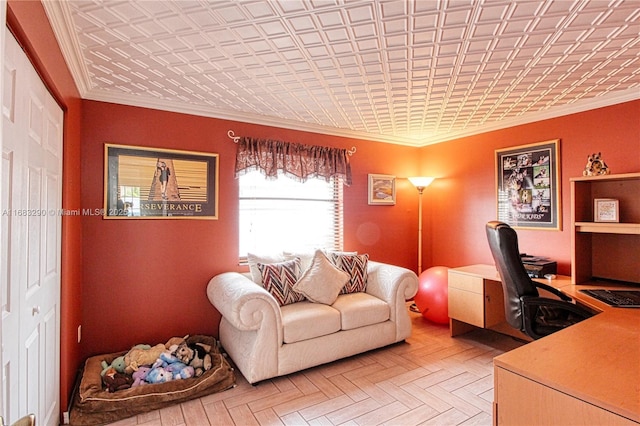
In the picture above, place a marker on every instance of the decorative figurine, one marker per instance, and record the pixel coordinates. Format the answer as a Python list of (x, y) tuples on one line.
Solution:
[(595, 166)]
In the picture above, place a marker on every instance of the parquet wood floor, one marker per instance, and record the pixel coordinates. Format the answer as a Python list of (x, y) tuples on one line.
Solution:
[(431, 379)]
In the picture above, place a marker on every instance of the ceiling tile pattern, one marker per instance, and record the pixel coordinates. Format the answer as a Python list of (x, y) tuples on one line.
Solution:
[(401, 71)]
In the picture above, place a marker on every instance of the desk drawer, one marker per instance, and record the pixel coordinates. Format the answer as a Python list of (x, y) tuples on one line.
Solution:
[(465, 282), (466, 306)]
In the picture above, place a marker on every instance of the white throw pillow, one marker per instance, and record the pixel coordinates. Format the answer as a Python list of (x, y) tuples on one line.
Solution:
[(322, 282), (254, 259), (305, 258)]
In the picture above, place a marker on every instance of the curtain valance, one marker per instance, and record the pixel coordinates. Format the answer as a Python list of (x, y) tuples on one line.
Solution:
[(296, 160)]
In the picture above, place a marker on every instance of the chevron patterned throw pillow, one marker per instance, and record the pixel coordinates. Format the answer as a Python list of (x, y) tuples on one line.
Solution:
[(356, 266), (279, 278)]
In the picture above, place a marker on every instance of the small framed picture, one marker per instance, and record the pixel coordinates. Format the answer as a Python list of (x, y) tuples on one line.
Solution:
[(605, 210), (382, 190)]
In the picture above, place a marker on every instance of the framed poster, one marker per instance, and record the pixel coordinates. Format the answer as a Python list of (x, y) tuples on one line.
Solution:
[(151, 183), (382, 189), (528, 193)]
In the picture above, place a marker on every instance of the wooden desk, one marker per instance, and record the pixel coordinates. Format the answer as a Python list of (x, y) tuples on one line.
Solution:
[(476, 299), (587, 374)]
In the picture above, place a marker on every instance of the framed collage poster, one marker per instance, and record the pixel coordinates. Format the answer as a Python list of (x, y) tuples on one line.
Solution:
[(150, 183), (528, 192)]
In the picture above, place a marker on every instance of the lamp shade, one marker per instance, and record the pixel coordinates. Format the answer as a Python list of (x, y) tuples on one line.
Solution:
[(421, 181)]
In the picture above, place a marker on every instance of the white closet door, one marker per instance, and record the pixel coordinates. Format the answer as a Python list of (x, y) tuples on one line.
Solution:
[(31, 247)]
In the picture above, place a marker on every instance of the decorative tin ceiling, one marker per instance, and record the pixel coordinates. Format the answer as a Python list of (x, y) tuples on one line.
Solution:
[(411, 72)]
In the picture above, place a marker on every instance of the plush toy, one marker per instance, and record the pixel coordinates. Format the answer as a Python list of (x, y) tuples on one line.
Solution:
[(159, 375), (195, 355), (180, 370), (139, 356), (173, 365), (175, 341), (115, 381), (140, 376), (117, 364), (165, 358)]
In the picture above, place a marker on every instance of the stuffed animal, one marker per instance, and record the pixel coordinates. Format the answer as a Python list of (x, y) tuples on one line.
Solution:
[(117, 364), (595, 166), (139, 356), (115, 381), (159, 375), (195, 355), (140, 376), (175, 341), (164, 359), (180, 370), (172, 364)]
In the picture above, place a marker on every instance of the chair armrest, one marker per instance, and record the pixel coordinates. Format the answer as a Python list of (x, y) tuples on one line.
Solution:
[(560, 304), (245, 304), (530, 307), (553, 290)]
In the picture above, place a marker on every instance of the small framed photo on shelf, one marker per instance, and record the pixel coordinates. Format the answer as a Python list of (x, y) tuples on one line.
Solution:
[(605, 210)]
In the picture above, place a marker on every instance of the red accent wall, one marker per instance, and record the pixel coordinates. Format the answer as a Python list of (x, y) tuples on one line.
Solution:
[(463, 198), (145, 280), (28, 22)]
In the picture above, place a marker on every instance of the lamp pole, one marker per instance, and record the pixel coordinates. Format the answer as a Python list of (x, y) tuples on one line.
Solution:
[(420, 189), (420, 183)]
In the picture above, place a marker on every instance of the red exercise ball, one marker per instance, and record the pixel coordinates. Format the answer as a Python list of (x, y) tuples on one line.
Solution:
[(432, 298)]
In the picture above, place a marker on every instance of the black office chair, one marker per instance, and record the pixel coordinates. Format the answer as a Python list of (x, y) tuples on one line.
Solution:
[(525, 310)]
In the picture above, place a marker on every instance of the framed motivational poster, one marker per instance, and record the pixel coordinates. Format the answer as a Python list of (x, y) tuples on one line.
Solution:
[(528, 190), (151, 183)]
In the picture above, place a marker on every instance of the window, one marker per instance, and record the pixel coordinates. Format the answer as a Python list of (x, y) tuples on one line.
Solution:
[(287, 215)]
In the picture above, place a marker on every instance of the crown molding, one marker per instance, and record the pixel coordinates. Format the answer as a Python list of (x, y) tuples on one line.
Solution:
[(200, 110), (181, 107), (613, 98), (59, 17)]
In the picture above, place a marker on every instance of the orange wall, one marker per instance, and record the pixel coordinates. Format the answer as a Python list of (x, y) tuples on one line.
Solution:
[(30, 25), (145, 280), (462, 199)]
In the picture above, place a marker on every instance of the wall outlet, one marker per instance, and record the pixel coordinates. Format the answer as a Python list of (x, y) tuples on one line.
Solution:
[(79, 333), (65, 418)]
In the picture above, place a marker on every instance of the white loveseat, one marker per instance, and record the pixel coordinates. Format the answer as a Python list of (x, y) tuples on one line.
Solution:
[(267, 340)]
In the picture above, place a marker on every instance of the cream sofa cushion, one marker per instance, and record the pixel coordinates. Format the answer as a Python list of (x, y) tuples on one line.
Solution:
[(360, 309), (306, 320)]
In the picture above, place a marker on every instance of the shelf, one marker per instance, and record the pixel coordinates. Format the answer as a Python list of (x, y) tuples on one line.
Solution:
[(622, 176), (608, 228), (605, 249)]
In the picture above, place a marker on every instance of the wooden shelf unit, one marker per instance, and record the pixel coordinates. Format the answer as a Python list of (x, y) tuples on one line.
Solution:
[(605, 249)]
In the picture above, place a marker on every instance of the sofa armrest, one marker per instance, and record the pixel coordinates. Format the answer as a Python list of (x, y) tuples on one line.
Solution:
[(243, 303), (395, 285), (388, 282)]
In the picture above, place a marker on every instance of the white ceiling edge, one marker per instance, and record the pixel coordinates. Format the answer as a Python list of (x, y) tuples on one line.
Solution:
[(59, 16), (555, 112), (180, 107)]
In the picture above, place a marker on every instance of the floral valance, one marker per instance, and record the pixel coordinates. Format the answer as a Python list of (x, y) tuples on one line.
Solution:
[(296, 160)]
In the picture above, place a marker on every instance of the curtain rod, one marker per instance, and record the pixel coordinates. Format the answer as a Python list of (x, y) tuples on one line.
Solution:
[(236, 139)]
